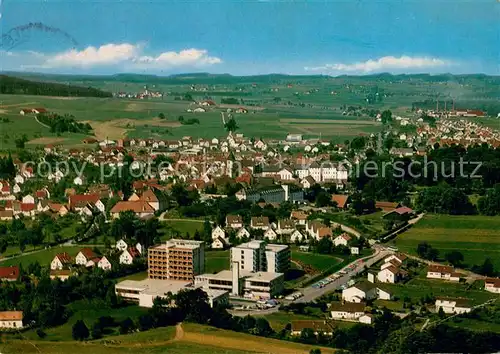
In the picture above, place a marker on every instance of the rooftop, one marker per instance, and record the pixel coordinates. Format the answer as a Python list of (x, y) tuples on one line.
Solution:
[(153, 286), (276, 248), (172, 243)]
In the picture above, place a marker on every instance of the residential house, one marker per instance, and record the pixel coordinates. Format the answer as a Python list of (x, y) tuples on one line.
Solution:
[(10, 273), (6, 215), (318, 326), (234, 221), (61, 261), (285, 227), (318, 230), (347, 311), (342, 240), (121, 245), (11, 320), (391, 274), (387, 206), (492, 285), (259, 222), (79, 201), (242, 233), (307, 182), (360, 292), (299, 216), (437, 271), (270, 234), (104, 263), (453, 305), (341, 200), (62, 274), (141, 208), (296, 236), (218, 232), (128, 256), (367, 318), (220, 243), (84, 256)]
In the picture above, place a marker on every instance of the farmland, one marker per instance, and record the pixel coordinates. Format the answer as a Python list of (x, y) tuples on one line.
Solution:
[(476, 237)]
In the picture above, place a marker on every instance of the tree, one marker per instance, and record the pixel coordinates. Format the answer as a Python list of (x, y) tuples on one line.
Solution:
[(96, 331), (145, 322), (322, 199), (161, 115), (441, 313), (262, 327), (79, 331), (307, 336), (231, 125), (454, 257), (386, 117), (315, 351), (127, 326), (487, 268), (324, 246)]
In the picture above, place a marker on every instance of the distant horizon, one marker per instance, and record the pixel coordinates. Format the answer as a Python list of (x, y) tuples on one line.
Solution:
[(181, 74)]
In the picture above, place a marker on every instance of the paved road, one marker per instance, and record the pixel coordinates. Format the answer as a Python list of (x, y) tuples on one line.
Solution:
[(311, 293)]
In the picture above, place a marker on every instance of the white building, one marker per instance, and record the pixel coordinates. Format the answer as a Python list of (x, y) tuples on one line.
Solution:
[(144, 292), (255, 285), (453, 305), (11, 319), (492, 285), (347, 311), (256, 256), (104, 264)]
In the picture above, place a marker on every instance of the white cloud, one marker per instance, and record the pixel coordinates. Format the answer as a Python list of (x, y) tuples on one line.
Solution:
[(387, 63), (92, 56), (130, 55), (187, 57)]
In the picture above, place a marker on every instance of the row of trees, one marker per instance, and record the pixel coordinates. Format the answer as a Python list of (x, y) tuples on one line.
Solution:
[(62, 124)]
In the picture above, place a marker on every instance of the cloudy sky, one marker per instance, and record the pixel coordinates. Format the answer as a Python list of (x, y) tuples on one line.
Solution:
[(251, 36)]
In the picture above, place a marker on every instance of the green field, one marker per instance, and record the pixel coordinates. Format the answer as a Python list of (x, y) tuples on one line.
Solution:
[(477, 237), (181, 226), (319, 262), (420, 287), (44, 257)]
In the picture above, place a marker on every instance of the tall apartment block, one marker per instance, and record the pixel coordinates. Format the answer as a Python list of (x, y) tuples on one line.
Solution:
[(176, 260), (255, 256)]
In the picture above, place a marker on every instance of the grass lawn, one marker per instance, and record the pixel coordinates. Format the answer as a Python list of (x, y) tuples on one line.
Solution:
[(135, 276), (477, 237), (192, 339), (320, 262), (43, 257), (279, 320), (89, 312), (417, 288), (474, 324), (182, 227), (215, 261)]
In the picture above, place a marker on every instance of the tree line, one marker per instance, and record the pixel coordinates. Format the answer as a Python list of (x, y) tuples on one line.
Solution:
[(16, 86)]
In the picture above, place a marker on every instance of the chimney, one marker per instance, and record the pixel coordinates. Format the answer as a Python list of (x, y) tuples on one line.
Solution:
[(236, 279)]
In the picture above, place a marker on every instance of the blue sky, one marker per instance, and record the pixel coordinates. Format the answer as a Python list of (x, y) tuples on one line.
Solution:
[(253, 37)]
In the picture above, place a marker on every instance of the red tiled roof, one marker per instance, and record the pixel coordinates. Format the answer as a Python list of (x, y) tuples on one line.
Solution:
[(340, 199), (139, 206), (81, 200), (10, 273), (88, 253), (64, 258)]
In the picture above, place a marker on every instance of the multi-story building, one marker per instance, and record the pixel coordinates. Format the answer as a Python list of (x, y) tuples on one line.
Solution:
[(277, 258), (176, 260), (255, 256), (251, 256)]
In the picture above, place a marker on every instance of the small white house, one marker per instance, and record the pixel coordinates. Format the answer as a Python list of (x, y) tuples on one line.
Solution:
[(453, 305), (11, 319), (347, 311), (366, 319), (218, 232), (296, 236), (104, 264), (359, 292), (28, 199), (242, 233), (121, 245), (270, 234), (342, 240)]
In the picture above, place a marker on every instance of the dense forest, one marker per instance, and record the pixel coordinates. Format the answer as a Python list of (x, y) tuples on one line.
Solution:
[(17, 86)]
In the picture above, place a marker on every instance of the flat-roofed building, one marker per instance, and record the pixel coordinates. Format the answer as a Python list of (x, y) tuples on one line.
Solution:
[(261, 285), (277, 258), (176, 260), (144, 292), (255, 256)]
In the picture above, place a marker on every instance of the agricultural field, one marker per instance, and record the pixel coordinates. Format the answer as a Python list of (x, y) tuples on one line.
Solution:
[(476, 237), (184, 339)]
